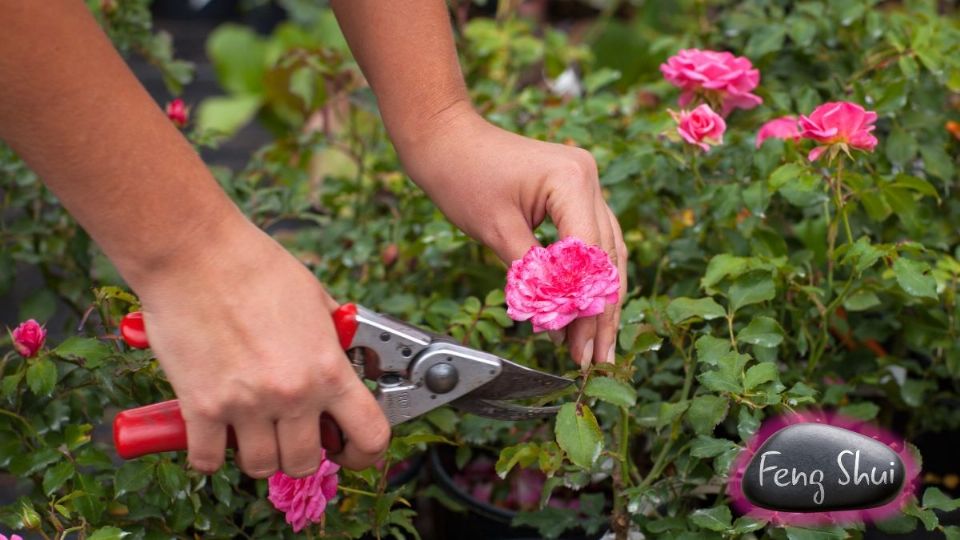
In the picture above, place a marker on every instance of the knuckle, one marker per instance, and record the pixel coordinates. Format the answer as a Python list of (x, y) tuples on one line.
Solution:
[(210, 410), (572, 172), (333, 375), (377, 440), (259, 471), (290, 392), (205, 463), (585, 159), (299, 471)]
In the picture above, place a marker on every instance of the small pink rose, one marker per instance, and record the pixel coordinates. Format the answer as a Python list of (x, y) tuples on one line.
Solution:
[(566, 280), (178, 112), (718, 76), (28, 338), (701, 126), (840, 123), (12, 537), (304, 500), (785, 127)]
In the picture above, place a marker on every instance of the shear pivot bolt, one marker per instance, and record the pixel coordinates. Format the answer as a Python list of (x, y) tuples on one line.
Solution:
[(442, 378)]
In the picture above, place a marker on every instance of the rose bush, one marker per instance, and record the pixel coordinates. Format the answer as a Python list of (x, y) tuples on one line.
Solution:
[(761, 282)]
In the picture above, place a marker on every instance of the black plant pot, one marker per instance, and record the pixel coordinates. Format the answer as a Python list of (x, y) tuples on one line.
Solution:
[(482, 520)]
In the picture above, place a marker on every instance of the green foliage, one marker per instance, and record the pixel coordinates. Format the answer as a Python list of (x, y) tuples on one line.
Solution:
[(760, 282)]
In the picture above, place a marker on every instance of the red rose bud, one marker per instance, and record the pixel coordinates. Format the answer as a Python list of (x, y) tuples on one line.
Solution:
[(389, 254), (28, 338), (178, 112)]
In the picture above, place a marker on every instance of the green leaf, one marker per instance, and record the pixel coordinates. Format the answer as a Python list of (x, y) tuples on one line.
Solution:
[(952, 532), (710, 349), (863, 411), (744, 525), (937, 162), (239, 57), (495, 297), (42, 376), (763, 372), (549, 522), (56, 476), (222, 488), (708, 447), (914, 278), (762, 331), (926, 516), (765, 39), (750, 289), (523, 454), (578, 434), (747, 424), (132, 477), (172, 478), (600, 78), (227, 114), (612, 391), (901, 146), (670, 412), (717, 518), (90, 350), (938, 500), (107, 533), (918, 185), (706, 412), (727, 377), (721, 267), (682, 309), (861, 300), (797, 184), (826, 533), (785, 174), (801, 29)]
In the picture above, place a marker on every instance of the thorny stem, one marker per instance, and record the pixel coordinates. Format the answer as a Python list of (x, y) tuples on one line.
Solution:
[(837, 184), (695, 165), (659, 463), (825, 327), (621, 479), (733, 339)]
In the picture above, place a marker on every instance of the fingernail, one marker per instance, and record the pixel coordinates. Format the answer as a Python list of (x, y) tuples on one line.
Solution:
[(587, 355), (556, 336), (611, 358)]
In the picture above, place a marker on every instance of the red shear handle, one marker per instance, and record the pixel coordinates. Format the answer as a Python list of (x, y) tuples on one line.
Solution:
[(160, 427)]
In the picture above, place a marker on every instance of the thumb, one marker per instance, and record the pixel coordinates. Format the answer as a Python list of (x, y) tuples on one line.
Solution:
[(514, 240), (571, 206)]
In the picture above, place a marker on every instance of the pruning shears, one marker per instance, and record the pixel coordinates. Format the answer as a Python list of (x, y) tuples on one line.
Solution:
[(415, 372)]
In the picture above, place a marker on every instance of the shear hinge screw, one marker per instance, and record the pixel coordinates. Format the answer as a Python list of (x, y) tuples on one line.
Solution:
[(442, 378)]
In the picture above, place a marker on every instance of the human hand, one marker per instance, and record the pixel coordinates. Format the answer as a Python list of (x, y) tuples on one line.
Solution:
[(498, 187), (244, 333)]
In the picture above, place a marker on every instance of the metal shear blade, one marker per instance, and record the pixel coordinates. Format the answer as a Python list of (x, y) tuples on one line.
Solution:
[(519, 382), (502, 410), (513, 382)]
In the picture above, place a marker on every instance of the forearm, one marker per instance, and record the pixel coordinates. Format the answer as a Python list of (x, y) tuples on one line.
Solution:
[(75, 113), (407, 53)]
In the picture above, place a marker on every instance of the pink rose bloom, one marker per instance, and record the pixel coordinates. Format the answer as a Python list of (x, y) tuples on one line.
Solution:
[(713, 74), (785, 127), (12, 537), (554, 285), (178, 112), (701, 126), (841, 123), (28, 338), (304, 499)]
